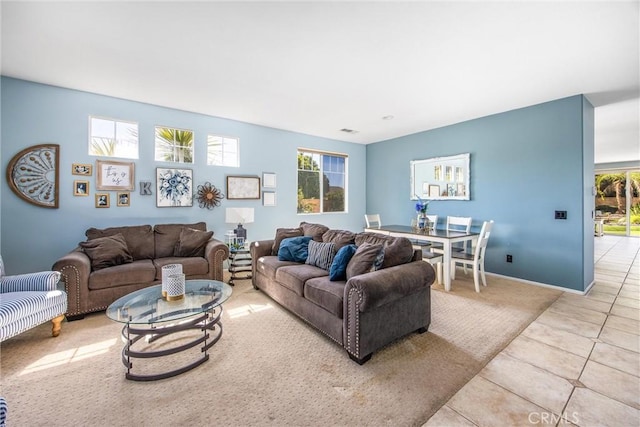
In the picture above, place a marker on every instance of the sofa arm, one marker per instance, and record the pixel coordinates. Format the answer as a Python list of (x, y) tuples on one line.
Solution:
[(259, 249), (216, 252), (75, 268), (42, 281), (377, 288)]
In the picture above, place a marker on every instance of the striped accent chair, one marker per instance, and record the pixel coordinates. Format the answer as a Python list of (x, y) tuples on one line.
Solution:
[(28, 300)]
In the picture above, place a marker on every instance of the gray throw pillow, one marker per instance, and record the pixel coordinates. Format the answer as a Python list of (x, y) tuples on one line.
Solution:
[(191, 243), (107, 251), (368, 257), (281, 234), (321, 254)]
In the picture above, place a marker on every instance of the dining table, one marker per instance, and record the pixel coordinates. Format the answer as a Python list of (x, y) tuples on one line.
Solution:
[(446, 237)]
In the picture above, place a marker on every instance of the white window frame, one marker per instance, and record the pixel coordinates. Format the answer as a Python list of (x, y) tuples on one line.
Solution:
[(321, 154), (155, 144), (122, 153), (224, 155)]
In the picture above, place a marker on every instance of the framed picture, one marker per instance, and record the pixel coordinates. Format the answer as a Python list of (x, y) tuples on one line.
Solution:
[(174, 187), (114, 175), (268, 198), (102, 200), (81, 169), (80, 188), (460, 190), (269, 180), (124, 198), (425, 189), (451, 190), (243, 187), (434, 190)]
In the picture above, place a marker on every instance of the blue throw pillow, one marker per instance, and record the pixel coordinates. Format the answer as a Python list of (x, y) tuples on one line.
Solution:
[(294, 249), (338, 270)]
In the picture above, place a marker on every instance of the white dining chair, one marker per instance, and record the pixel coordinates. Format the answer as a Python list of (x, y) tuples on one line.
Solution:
[(455, 223), (435, 260), (372, 220), (475, 259)]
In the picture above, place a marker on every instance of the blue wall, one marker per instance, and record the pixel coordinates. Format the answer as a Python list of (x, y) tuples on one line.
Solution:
[(33, 237), (525, 164)]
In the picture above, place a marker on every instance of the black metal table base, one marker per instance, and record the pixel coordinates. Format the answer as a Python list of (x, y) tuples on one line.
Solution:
[(207, 322)]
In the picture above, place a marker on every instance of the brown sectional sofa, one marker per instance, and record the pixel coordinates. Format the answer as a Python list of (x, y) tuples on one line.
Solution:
[(363, 313), (115, 261)]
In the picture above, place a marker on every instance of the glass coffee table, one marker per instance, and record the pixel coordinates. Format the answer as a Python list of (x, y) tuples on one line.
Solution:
[(186, 323)]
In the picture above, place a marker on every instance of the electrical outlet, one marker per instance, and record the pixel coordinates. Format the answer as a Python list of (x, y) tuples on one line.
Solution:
[(509, 258), (561, 214)]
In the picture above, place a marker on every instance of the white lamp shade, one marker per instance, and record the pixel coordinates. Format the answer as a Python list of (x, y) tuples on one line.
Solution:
[(239, 215)]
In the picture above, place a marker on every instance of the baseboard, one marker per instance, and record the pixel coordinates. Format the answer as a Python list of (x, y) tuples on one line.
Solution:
[(544, 285)]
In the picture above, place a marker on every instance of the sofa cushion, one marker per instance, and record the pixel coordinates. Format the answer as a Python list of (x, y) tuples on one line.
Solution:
[(326, 294), (281, 234), (268, 265), (338, 269), (167, 235), (314, 230), (139, 239), (340, 238), (30, 308), (191, 242), (191, 266), (397, 250), (141, 271), (294, 249), (368, 257), (321, 254), (293, 277), (107, 251)]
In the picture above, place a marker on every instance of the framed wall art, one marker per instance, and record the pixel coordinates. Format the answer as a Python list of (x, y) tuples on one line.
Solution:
[(81, 169), (102, 200), (174, 187), (80, 188), (114, 175), (268, 198), (243, 187), (124, 198), (268, 180), (33, 175)]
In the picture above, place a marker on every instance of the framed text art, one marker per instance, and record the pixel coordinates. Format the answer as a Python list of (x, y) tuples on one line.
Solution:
[(33, 175), (243, 187), (174, 187), (114, 175)]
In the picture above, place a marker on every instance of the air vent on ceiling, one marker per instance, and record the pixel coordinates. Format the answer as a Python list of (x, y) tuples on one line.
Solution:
[(348, 130)]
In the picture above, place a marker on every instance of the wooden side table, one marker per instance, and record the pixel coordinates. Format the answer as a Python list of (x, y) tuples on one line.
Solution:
[(239, 265)]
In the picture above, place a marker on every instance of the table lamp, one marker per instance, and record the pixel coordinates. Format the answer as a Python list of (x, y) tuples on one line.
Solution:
[(239, 216)]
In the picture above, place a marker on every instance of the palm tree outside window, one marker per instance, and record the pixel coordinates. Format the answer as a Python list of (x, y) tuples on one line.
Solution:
[(174, 145)]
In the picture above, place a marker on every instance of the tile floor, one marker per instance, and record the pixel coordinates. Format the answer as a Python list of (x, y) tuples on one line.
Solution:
[(577, 364)]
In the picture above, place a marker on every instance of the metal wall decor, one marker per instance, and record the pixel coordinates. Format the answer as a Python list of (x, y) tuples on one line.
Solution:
[(33, 173), (208, 196)]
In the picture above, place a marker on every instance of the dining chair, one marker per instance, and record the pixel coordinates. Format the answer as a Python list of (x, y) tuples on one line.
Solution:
[(475, 259), (421, 244), (456, 223), (372, 220), (435, 260)]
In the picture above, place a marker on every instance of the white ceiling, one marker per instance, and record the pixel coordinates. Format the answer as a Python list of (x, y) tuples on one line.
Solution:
[(318, 67)]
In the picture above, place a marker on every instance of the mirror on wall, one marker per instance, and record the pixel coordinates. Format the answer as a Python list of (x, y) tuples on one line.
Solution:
[(441, 178)]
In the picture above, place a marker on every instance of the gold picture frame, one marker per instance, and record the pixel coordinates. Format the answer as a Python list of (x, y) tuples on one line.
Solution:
[(80, 188), (84, 169), (102, 200), (123, 198)]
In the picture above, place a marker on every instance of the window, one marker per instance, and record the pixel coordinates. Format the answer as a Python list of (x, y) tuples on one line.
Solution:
[(322, 179), (174, 145), (223, 151), (113, 138)]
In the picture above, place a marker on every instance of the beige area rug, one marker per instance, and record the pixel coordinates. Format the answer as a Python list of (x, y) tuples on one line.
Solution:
[(269, 368)]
